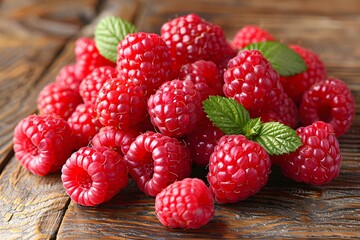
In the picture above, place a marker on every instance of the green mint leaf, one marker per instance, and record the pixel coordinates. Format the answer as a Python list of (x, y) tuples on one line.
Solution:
[(282, 58), (227, 114), (252, 128), (109, 32), (277, 138)]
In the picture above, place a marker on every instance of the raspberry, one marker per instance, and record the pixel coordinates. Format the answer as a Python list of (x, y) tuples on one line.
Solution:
[(58, 100), (121, 104), (84, 124), (330, 101), (250, 34), (155, 161), (296, 85), (205, 75), (92, 83), (67, 77), (185, 204), (175, 108), (202, 141), (286, 113), (117, 139), (88, 57), (144, 59), (238, 169), (318, 160), (42, 143), (93, 175), (191, 38), (251, 81)]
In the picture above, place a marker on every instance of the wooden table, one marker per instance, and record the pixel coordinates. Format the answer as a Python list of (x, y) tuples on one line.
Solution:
[(37, 39)]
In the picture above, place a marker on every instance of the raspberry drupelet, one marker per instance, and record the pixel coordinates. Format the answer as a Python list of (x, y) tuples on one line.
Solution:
[(318, 160), (155, 161), (121, 104), (58, 100), (67, 77), (88, 57), (42, 143), (175, 108), (93, 175), (90, 86), (185, 204), (202, 141), (330, 101), (238, 169), (144, 59), (191, 38), (116, 139), (205, 75), (295, 86), (84, 124), (251, 81), (250, 34)]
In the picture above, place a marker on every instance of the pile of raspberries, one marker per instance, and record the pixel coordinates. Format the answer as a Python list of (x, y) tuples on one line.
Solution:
[(102, 123)]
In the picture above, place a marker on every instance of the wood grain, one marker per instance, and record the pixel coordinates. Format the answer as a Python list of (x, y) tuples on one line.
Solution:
[(32, 52), (32, 206), (27, 50)]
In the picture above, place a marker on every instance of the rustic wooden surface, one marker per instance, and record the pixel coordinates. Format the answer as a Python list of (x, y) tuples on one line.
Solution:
[(37, 39)]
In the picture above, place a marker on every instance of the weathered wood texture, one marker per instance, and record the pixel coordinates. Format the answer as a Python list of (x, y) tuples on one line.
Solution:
[(36, 40)]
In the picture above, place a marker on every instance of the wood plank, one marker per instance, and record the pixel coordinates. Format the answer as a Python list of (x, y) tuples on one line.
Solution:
[(31, 36), (283, 209), (22, 62), (57, 17), (32, 210), (32, 206)]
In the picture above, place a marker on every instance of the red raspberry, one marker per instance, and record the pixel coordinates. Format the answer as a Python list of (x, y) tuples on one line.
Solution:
[(318, 160), (155, 161), (88, 57), (250, 34), (238, 169), (202, 141), (144, 59), (84, 124), (295, 86), (175, 108), (42, 143), (205, 75), (286, 113), (58, 100), (92, 83), (67, 77), (146, 125), (93, 175), (116, 139), (251, 81), (121, 104), (191, 38), (185, 204), (330, 101)]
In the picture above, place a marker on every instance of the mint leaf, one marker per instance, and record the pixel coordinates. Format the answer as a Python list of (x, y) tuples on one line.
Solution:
[(277, 138), (282, 58), (252, 128), (109, 32), (227, 114)]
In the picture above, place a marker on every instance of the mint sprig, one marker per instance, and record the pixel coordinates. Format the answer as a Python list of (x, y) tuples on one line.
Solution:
[(109, 32), (282, 58), (232, 118), (277, 138), (228, 115)]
